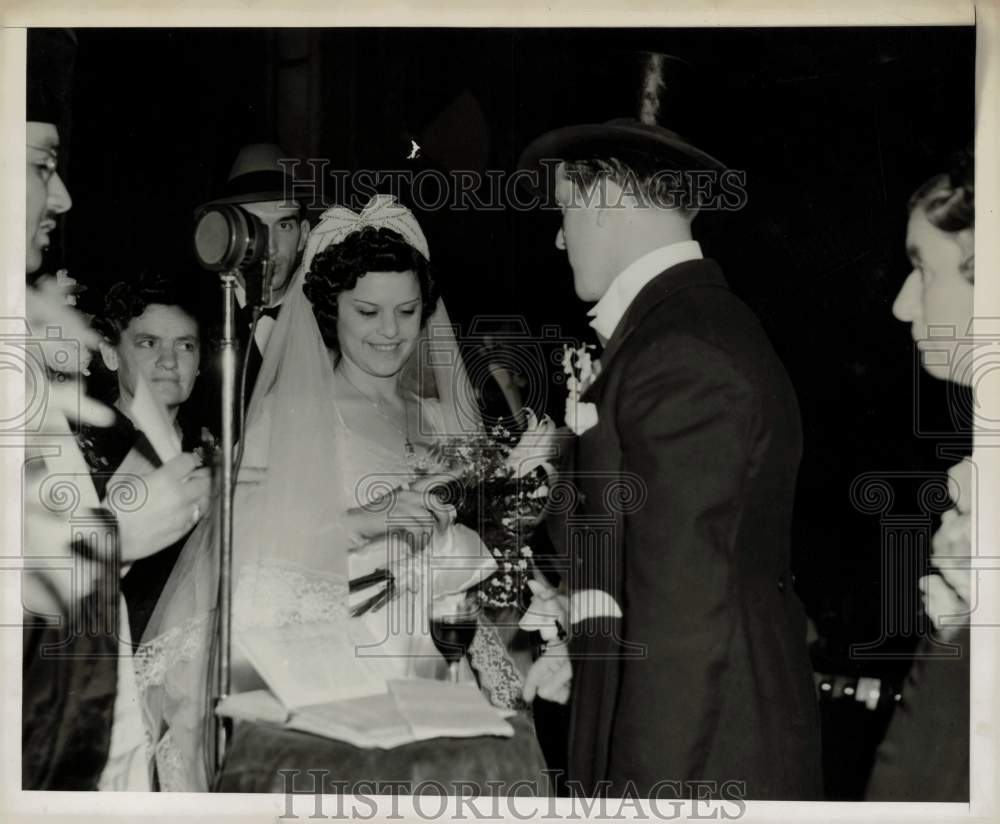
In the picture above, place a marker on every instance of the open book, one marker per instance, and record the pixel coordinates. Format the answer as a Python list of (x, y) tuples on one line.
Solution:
[(320, 686)]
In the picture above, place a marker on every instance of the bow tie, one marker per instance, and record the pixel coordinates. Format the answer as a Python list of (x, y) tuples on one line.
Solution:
[(267, 311)]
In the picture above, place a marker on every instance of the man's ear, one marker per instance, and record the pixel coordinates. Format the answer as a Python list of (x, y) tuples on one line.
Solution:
[(109, 356), (303, 233)]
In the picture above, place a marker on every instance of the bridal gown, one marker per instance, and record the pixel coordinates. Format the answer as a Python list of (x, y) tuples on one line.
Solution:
[(274, 587)]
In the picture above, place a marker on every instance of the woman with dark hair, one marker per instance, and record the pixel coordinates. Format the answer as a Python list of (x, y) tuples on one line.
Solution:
[(338, 269), (360, 380), (150, 331), (147, 336), (925, 753)]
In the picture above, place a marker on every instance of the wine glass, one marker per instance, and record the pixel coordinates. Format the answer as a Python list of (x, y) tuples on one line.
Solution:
[(453, 627)]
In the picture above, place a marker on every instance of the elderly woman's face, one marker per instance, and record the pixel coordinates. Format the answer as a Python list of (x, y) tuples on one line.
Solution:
[(936, 299), (378, 321), (162, 346)]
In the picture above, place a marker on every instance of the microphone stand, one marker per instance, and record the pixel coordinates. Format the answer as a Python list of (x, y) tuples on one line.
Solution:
[(228, 282)]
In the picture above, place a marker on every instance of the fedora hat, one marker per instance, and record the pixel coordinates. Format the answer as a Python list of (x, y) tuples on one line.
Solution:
[(651, 87), (256, 176)]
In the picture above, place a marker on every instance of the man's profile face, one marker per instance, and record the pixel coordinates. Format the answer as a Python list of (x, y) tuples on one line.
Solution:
[(46, 194), (583, 238), (286, 236)]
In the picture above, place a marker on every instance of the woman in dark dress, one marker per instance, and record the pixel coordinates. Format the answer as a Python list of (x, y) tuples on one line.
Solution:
[(151, 332), (150, 339)]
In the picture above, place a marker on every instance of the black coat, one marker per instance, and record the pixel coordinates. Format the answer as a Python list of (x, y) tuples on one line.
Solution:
[(686, 486), (105, 449), (925, 753), (70, 671)]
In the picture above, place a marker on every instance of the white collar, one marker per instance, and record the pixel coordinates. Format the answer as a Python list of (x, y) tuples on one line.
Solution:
[(609, 310), (241, 297)]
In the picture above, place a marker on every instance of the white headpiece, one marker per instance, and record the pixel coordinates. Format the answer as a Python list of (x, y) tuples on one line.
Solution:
[(382, 211)]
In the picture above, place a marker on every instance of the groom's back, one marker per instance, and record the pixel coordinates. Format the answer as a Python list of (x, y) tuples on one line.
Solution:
[(707, 416)]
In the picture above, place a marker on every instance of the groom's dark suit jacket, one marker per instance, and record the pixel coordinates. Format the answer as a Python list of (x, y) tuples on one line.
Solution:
[(706, 676)]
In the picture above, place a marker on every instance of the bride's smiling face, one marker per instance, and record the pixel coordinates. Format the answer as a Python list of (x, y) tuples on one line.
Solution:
[(378, 321)]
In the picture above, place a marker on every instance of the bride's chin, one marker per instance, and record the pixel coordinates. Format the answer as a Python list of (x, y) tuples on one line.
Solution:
[(384, 370)]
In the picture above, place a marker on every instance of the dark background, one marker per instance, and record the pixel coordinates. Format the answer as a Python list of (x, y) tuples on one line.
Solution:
[(834, 128)]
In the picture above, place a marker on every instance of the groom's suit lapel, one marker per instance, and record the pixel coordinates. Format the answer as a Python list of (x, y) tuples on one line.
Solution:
[(669, 282)]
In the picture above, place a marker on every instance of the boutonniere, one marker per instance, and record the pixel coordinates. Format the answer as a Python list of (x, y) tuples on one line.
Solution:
[(581, 371)]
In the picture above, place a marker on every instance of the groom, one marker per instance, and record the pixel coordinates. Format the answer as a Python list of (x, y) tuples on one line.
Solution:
[(687, 651)]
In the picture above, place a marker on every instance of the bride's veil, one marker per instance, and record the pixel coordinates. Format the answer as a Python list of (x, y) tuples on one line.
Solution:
[(290, 516)]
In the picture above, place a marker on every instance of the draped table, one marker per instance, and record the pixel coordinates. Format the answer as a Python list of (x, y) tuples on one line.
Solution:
[(267, 759)]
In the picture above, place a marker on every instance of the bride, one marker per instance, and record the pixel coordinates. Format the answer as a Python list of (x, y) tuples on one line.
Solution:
[(360, 378)]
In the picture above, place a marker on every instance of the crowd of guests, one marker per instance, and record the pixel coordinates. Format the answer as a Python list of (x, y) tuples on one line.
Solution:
[(80, 728)]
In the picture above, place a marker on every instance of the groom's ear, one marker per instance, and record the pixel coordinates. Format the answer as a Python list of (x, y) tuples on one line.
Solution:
[(303, 233)]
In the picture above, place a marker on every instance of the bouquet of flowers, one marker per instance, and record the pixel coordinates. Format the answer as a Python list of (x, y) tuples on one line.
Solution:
[(497, 485), (499, 488)]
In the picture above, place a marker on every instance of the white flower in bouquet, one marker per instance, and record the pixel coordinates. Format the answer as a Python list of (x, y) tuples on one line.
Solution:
[(581, 370), (547, 613), (536, 448)]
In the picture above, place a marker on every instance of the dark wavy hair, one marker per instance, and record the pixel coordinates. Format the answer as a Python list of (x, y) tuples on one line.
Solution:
[(646, 176), (949, 200), (338, 268), (126, 300)]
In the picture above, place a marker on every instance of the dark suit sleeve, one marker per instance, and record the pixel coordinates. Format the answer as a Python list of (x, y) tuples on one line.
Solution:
[(684, 419)]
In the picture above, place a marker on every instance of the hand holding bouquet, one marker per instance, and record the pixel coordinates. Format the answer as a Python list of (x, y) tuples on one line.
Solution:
[(490, 484), (498, 487)]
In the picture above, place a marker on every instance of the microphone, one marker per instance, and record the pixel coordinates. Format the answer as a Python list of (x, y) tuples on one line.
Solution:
[(227, 237)]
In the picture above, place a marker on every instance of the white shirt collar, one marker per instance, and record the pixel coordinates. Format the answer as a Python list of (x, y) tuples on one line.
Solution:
[(241, 297), (609, 310)]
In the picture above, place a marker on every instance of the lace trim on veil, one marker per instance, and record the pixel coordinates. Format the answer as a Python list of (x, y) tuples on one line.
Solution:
[(497, 674), (275, 593), (182, 643), (170, 766), (268, 593)]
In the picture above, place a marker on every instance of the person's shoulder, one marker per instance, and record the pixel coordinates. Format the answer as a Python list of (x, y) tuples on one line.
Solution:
[(681, 351), (706, 319)]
